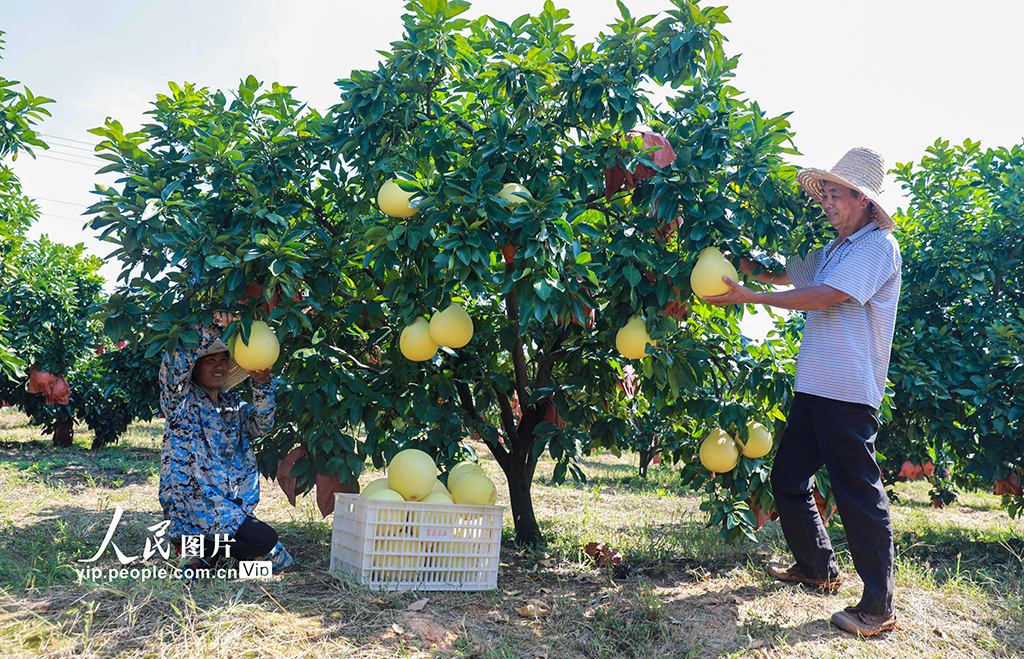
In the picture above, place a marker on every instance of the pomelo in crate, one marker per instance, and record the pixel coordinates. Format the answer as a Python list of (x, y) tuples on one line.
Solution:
[(423, 540), (412, 473)]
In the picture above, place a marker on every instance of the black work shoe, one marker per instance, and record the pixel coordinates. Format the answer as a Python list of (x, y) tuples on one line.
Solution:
[(855, 621), (794, 574)]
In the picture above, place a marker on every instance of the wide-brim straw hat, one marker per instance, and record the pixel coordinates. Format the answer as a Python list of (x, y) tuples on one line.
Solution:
[(861, 169), (235, 375)]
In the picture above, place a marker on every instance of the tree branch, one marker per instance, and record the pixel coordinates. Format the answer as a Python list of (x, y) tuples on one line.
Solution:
[(466, 400), (518, 357)]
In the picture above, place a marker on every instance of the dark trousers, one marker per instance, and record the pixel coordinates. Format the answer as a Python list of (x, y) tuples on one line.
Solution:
[(253, 538), (841, 436)]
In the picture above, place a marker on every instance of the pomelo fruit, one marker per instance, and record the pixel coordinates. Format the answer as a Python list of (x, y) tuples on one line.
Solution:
[(437, 497), (394, 201), (373, 486), (415, 341), (759, 441), (631, 341), (262, 349), (460, 470), (439, 487), (475, 490), (718, 452), (384, 494), (452, 327), (412, 474), (706, 277), (510, 194)]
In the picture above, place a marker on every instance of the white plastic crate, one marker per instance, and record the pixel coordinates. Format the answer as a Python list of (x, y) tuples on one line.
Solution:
[(398, 545)]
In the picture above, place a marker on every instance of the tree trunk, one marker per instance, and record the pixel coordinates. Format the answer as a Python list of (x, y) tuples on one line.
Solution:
[(64, 434), (646, 455), (520, 479)]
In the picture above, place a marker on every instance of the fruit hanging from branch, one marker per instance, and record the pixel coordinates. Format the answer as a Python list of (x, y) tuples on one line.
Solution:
[(632, 340), (759, 441), (706, 277), (663, 156), (394, 201), (262, 349), (718, 452), (415, 342), (513, 194), (452, 328)]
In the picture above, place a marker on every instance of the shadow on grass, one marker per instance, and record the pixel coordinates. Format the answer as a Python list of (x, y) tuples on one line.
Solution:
[(79, 468)]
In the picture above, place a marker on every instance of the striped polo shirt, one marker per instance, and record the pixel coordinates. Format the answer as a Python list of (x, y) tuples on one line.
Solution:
[(844, 353)]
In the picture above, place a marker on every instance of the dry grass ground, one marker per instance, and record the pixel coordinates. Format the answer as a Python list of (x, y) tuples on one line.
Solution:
[(959, 575)]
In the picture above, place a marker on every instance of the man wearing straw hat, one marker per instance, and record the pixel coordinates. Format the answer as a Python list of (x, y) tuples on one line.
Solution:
[(209, 484), (850, 289)]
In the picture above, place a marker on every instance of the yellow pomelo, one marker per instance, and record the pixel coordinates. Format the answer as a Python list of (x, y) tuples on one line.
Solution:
[(383, 494), (412, 474), (373, 486), (438, 497), (439, 487), (415, 342), (633, 338), (452, 327), (460, 470), (394, 201), (759, 441), (510, 194), (706, 277), (262, 350), (475, 490), (718, 452)]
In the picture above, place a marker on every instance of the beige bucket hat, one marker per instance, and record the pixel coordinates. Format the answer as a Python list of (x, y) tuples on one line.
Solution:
[(861, 169), (235, 375)]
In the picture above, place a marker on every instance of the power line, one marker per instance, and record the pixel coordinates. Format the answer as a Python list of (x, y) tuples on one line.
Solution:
[(73, 162), (79, 221), (76, 148), (78, 158), (58, 137), (58, 201)]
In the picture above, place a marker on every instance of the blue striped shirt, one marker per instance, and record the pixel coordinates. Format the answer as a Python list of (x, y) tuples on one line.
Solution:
[(844, 353)]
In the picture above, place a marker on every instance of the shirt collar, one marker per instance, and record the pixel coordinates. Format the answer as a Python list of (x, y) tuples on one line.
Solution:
[(868, 228)]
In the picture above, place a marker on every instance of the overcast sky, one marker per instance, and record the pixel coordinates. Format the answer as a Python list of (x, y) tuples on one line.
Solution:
[(892, 75)]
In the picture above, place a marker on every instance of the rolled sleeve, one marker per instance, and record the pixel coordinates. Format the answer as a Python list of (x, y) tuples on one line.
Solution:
[(801, 270)]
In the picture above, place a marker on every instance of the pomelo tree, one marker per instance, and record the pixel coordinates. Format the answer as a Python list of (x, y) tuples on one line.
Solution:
[(20, 112), (259, 205), (958, 353)]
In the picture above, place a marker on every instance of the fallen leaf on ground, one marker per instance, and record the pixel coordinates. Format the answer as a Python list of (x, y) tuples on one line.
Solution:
[(513, 593), (734, 599), (379, 603), (418, 604), (533, 609), (499, 616), (548, 562), (940, 633), (546, 591), (398, 629)]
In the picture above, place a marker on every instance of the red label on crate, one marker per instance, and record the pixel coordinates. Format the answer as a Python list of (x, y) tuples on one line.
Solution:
[(437, 534)]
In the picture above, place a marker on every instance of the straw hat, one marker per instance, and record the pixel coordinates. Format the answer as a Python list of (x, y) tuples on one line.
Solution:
[(235, 375), (861, 169)]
